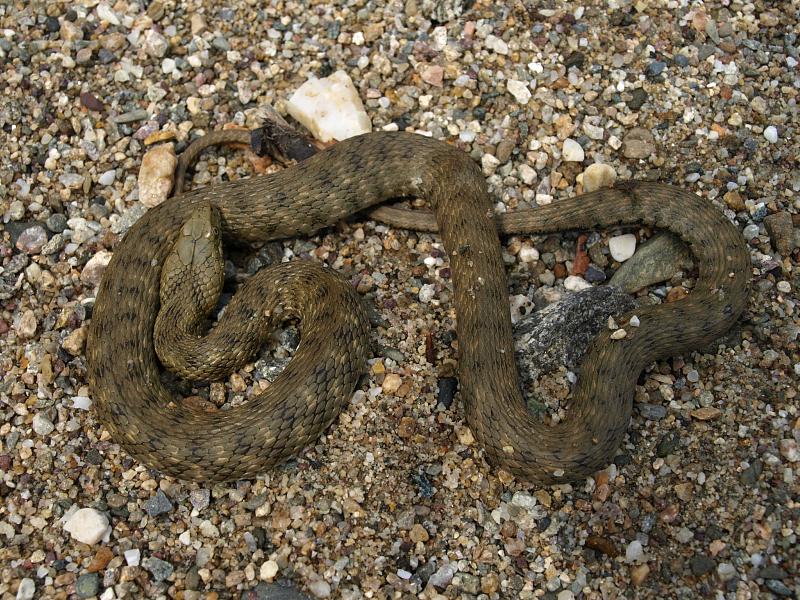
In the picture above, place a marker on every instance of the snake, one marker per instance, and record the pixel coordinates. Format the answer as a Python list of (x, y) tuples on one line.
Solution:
[(182, 440)]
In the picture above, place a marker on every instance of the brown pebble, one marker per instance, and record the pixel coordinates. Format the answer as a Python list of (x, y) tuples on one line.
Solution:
[(706, 413), (91, 102), (734, 200), (602, 545), (418, 533), (406, 428), (781, 232), (560, 270), (101, 558), (639, 574)]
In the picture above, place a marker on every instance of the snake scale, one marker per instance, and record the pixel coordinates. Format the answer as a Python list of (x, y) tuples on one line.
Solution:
[(354, 175)]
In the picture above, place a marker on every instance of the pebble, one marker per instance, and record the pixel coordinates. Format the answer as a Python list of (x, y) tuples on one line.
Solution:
[(57, 222), (789, 450), (268, 570), (575, 284), (781, 231), (156, 175), (658, 259), (87, 525), (639, 574), (443, 576), (634, 552), (27, 325), (771, 134), (519, 89), (160, 569), (42, 425), (700, 564), (320, 588), (75, 341), (433, 74), (200, 499), (418, 534), (87, 585), (26, 589), (622, 247), (132, 557), (638, 143), (158, 504), (330, 108), (654, 412), (597, 176), (32, 240), (391, 383), (572, 151), (93, 270)]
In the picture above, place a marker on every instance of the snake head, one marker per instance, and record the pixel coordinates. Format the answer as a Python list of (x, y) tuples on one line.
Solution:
[(194, 269)]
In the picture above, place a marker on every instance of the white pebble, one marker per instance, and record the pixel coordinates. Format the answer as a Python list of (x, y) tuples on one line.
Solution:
[(634, 552), (622, 247), (268, 570), (784, 287), (330, 108), (185, 538), (597, 176), (42, 425), (575, 284), (634, 321), (489, 163), (132, 557), (320, 588), (618, 334), (108, 177), (26, 589), (519, 89), (427, 292), (81, 402), (168, 65), (106, 14), (789, 450), (572, 151), (497, 44), (87, 525), (528, 254), (527, 173), (726, 571), (771, 134)]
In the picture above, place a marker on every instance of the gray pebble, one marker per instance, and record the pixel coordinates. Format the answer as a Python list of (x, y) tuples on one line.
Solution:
[(653, 412), (701, 564), (199, 498), (160, 569), (273, 591), (57, 222), (655, 68), (87, 585), (158, 504)]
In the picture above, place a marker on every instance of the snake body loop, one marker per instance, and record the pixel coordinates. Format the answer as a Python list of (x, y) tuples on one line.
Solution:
[(355, 175)]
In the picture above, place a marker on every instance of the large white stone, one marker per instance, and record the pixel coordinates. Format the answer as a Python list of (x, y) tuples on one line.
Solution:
[(87, 525), (156, 174), (597, 176), (330, 108), (572, 151), (622, 247)]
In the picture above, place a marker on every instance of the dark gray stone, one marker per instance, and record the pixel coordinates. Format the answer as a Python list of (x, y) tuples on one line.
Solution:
[(658, 259), (560, 333), (701, 564), (157, 504)]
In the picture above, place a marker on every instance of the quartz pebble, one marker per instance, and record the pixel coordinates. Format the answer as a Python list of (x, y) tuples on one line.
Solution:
[(519, 89), (330, 108), (622, 247), (87, 525), (572, 151), (597, 176)]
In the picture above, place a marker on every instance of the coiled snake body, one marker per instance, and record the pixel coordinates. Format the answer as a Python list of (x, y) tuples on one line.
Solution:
[(356, 174)]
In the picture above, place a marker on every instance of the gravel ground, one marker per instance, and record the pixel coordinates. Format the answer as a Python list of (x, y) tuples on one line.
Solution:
[(396, 501)]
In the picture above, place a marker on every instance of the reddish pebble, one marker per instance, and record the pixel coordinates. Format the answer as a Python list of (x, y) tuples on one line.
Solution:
[(91, 102)]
